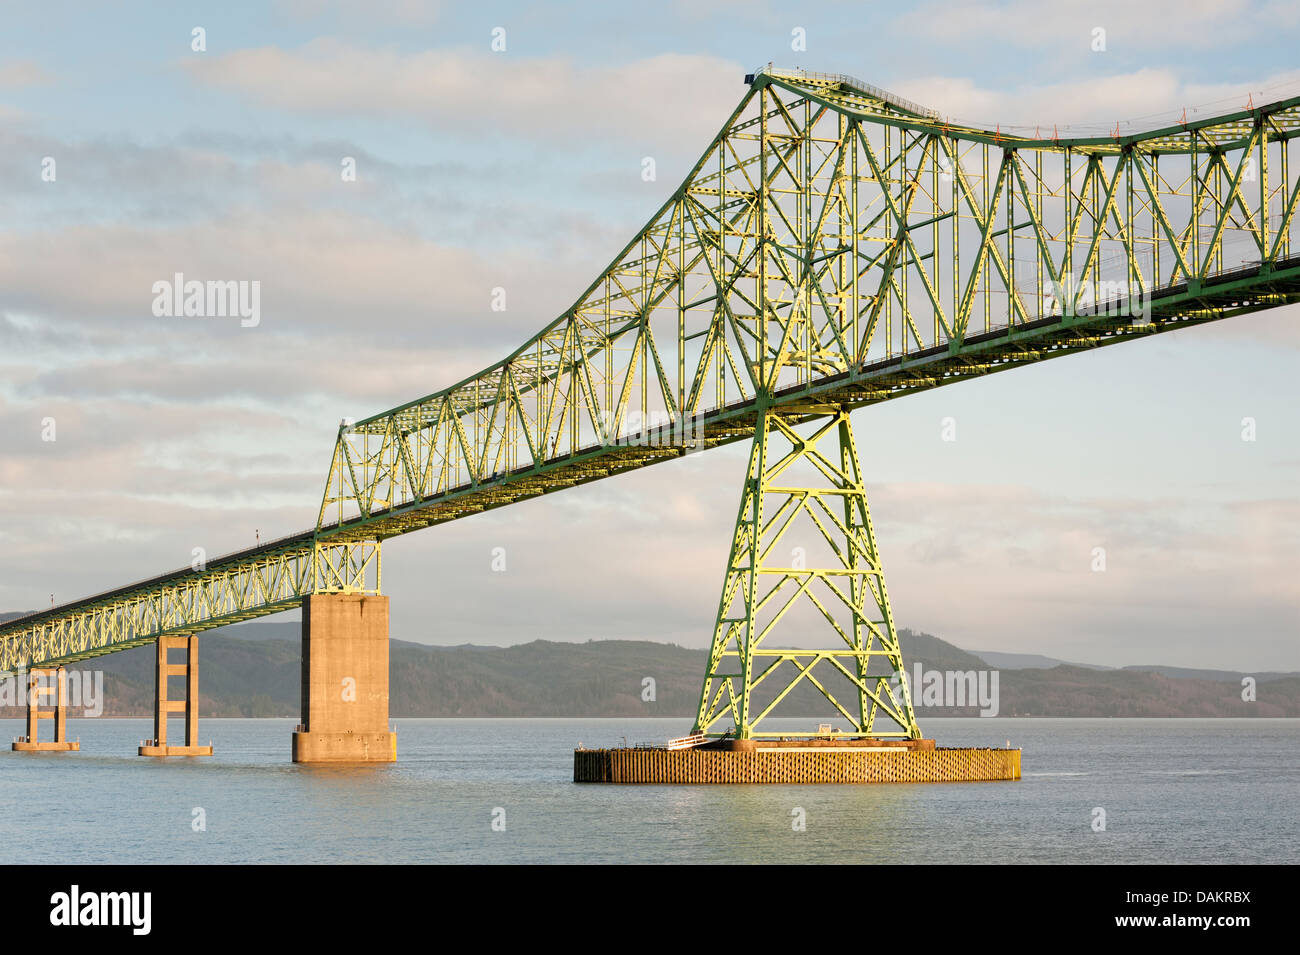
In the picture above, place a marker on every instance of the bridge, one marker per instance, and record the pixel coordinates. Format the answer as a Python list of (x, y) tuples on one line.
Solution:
[(835, 246)]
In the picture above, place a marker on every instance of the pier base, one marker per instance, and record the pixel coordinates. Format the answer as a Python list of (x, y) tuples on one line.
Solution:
[(56, 685), (163, 706), (799, 761), (344, 681)]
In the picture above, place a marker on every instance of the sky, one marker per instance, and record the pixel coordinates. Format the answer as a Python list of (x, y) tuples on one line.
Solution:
[(521, 168)]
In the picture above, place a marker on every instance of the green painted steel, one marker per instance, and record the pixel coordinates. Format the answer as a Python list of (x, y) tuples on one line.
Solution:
[(835, 246), (232, 589), (804, 540)]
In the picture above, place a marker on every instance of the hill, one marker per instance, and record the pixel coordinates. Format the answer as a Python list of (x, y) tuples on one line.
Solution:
[(253, 670)]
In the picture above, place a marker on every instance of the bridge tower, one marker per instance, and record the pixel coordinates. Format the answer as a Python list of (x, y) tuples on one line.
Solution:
[(804, 560)]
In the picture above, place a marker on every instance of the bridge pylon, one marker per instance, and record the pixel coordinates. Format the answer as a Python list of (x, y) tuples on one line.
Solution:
[(804, 560), (165, 705), (46, 682), (344, 680)]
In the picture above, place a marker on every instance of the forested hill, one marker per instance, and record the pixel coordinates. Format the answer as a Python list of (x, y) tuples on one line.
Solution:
[(254, 670)]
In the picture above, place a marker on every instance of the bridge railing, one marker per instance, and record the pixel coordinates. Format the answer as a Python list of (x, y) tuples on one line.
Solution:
[(875, 92)]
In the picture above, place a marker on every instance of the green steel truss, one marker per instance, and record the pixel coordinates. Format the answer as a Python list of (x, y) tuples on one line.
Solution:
[(838, 242), (833, 245), (784, 513), (230, 590)]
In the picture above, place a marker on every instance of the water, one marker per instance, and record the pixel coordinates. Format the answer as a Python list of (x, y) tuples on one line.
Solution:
[(1174, 791)]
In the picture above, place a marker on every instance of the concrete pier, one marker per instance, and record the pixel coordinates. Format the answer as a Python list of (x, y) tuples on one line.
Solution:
[(43, 682), (164, 706), (344, 681), (798, 761)]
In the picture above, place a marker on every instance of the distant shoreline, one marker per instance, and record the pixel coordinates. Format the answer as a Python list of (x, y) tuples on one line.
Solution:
[(254, 671)]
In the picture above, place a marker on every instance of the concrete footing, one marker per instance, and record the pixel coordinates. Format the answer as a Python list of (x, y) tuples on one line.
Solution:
[(46, 746), (164, 706), (46, 682), (344, 747), (344, 681), (173, 749), (857, 761)]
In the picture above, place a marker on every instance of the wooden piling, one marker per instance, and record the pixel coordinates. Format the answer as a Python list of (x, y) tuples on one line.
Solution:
[(796, 764)]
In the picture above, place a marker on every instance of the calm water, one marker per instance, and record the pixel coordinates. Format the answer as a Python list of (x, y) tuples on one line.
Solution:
[(1173, 791)]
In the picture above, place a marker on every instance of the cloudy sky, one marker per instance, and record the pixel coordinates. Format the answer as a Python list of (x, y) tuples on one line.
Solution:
[(522, 169)]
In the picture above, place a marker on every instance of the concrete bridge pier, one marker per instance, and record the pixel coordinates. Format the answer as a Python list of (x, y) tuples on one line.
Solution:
[(42, 682), (344, 681), (164, 706)]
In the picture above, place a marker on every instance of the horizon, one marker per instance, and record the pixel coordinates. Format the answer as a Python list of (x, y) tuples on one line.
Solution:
[(231, 630)]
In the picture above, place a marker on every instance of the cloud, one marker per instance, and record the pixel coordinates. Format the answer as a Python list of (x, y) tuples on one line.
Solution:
[(326, 273), (658, 100), (1012, 567), (1054, 27), (365, 13), (17, 74), (985, 566), (412, 250), (1143, 99)]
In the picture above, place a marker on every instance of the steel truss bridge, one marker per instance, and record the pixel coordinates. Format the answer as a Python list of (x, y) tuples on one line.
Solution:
[(834, 247)]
